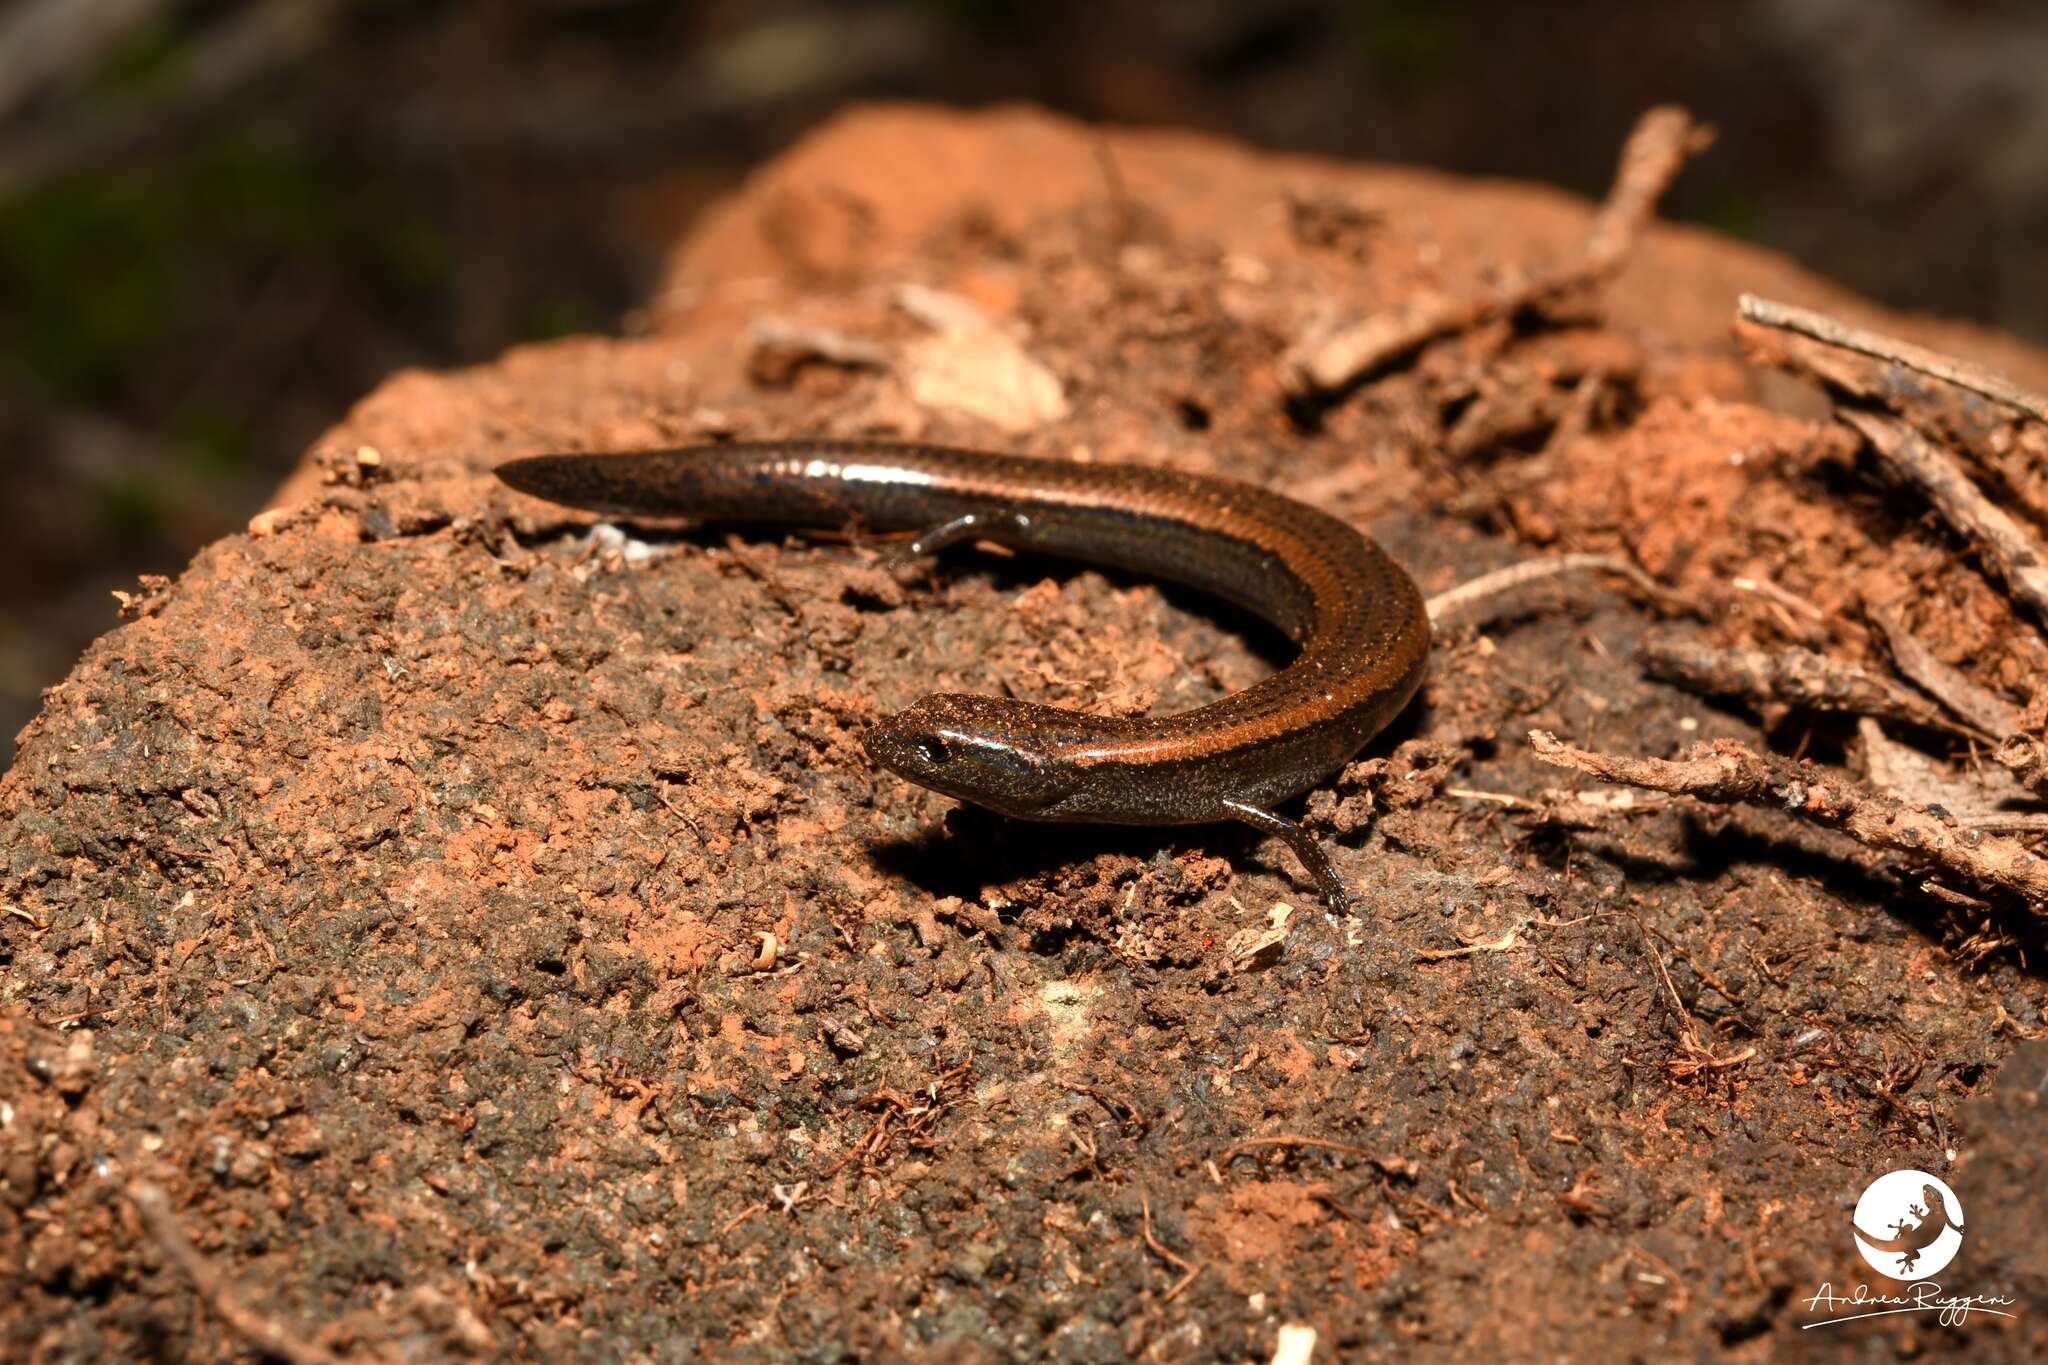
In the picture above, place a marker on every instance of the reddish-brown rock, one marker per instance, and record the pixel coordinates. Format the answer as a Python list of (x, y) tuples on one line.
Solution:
[(492, 938)]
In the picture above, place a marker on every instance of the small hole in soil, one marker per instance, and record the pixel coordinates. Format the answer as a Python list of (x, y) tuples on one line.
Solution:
[(1305, 412), (1193, 415)]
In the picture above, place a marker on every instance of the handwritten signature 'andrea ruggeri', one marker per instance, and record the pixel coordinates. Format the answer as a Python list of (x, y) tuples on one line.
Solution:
[(1955, 1309)]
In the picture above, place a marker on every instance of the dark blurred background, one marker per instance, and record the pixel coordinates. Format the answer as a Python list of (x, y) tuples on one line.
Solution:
[(222, 222)]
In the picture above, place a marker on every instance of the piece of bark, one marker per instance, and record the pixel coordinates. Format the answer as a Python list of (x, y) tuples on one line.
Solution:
[(1791, 676), (1726, 772)]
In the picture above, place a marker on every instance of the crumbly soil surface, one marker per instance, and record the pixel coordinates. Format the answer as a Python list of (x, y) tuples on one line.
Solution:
[(489, 936)]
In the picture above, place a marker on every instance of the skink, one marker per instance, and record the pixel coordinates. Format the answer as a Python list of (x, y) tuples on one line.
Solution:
[(1356, 616)]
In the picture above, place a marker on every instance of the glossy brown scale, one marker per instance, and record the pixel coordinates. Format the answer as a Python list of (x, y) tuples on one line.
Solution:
[(1358, 618)]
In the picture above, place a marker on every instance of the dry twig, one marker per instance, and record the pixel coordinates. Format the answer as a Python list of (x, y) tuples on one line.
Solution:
[(286, 1341), (1119, 1107), (1563, 809), (762, 574), (1663, 139), (1695, 1056), (2010, 550), (727, 1228), (1500, 944), (1699, 968), (1457, 605), (1577, 417), (2001, 440), (1688, 1030), (1188, 1269), (1725, 772), (911, 1115), (1159, 1248), (1972, 703), (1797, 617), (1792, 676), (1835, 332)]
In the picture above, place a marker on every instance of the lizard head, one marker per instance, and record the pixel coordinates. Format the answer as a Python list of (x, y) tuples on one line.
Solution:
[(1010, 756)]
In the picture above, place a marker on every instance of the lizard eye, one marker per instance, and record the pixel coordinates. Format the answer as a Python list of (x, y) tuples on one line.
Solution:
[(933, 751)]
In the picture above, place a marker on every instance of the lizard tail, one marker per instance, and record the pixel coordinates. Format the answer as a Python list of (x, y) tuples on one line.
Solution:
[(1879, 1243)]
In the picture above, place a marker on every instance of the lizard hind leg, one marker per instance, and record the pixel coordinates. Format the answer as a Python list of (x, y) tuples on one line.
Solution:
[(968, 526), (1306, 847), (997, 526)]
